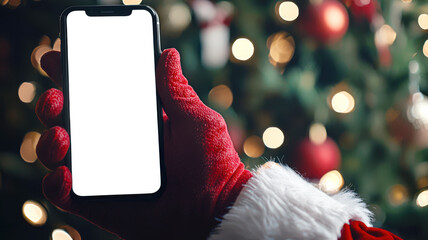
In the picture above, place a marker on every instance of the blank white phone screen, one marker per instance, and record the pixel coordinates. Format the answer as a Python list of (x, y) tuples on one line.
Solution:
[(112, 103)]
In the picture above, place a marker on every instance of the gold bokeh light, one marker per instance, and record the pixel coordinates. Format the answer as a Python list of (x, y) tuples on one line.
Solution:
[(385, 36), (425, 48), (221, 96), (60, 234), (34, 213), (317, 133), (422, 199), (26, 92), (423, 21), (242, 49), (273, 137), (281, 48), (343, 102), (331, 182), (28, 147), (288, 11), (253, 147), (131, 2), (397, 195)]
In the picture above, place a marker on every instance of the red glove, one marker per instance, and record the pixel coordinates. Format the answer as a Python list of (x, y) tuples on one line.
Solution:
[(204, 172), (357, 230)]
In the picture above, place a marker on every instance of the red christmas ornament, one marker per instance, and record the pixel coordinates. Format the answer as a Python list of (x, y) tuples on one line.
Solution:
[(314, 160), (326, 22), (363, 9)]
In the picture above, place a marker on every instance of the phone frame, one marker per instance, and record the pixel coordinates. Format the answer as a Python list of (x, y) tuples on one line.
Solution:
[(99, 11)]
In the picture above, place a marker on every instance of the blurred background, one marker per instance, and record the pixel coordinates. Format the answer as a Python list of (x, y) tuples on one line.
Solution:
[(337, 89)]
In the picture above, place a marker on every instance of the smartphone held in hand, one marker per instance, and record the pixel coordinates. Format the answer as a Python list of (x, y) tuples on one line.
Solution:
[(111, 108)]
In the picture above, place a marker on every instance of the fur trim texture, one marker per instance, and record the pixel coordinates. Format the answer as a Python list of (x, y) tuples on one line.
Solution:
[(277, 203)]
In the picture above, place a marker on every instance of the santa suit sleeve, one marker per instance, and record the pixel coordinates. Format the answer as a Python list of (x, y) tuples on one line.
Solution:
[(277, 203)]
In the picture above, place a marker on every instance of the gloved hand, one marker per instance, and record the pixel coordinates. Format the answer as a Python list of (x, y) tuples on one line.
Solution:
[(204, 172)]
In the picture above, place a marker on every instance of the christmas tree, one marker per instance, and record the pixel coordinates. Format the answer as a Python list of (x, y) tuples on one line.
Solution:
[(336, 89)]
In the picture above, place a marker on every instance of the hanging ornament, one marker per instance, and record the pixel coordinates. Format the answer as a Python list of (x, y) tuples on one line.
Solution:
[(363, 10), (314, 159), (408, 121), (214, 20), (325, 21)]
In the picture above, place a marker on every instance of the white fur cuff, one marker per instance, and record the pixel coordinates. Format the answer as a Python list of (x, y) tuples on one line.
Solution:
[(277, 203)]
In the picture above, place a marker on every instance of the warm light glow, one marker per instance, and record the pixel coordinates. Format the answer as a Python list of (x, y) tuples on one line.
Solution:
[(343, 102), (57, 45), (60, 234), (288, 11), (4, 2), (334, 18), (179, 16), (242, 49), (273, 137), (422, 199), (362, 3), (385, 36), (28, 147), (317, 133), (131, 2), (34, 213), (253, 147), (406, 1), (281, 48), (37, 54), (425, 48), (423, 21), (26, 92), (397, 194), (221, 96), (331, 182)]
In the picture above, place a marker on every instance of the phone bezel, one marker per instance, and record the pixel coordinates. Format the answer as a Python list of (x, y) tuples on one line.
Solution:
[(99, 11)]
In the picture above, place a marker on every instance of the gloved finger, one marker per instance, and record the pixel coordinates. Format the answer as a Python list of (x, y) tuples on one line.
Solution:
[(53, 146), (51, 64), (49, 107), (178, 97)]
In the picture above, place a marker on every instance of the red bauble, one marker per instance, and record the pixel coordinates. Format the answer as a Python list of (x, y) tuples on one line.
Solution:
[(314, 160), (326, 22), (364, 9)]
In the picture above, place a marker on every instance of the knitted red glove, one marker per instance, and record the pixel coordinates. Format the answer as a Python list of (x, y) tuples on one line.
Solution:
[(357, 230), (204, 172)]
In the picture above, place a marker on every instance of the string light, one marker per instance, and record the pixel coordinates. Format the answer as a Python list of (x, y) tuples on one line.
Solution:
[(273, 137), (60, 234), (26, 92), (131, 2), (288, 11), (221, 96), (343, 102), (34, 213), (385, 36), (331, 182), (317, 133), (422, 199), (281, 47), (253, 147), (179, 16), (28, 147), (242, 49), (425, 48), (397, 194)]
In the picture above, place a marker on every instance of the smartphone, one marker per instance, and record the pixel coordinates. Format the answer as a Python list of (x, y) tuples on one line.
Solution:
[(111, 109)]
